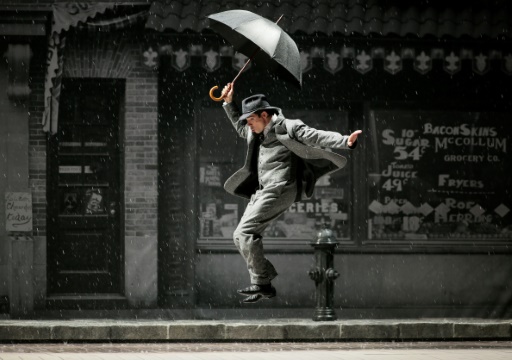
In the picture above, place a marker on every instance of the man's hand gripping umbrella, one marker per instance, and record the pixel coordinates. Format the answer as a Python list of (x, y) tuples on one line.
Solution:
[(221, 97), (262, 41)]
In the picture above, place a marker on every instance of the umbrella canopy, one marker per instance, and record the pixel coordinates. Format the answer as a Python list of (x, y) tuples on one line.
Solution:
[(262, 40)]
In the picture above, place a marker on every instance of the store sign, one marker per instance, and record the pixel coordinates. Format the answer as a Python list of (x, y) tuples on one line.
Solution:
[(440, 174), (18, 211)]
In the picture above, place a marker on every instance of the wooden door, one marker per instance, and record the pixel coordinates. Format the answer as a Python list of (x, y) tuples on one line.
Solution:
[(84, 249)]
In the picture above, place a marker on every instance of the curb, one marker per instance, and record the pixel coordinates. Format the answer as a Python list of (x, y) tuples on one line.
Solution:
[(285, 330)]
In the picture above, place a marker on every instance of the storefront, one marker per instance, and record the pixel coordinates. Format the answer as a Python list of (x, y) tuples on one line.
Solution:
[(421, 211), (126, 170)]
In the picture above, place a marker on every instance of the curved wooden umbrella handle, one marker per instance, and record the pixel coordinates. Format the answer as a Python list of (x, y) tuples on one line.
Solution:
[(213, 97)]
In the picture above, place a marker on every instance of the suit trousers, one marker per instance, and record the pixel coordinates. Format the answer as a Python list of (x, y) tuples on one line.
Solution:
[(265, 205)]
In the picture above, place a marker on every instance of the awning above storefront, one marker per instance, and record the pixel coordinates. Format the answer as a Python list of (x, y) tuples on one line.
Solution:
[(475, 19)]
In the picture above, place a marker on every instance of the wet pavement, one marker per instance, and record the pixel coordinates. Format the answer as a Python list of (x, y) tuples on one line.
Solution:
[(463, 350)]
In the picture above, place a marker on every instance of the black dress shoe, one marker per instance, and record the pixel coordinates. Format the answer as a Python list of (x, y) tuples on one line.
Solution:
[(265, 291), (252, 299)]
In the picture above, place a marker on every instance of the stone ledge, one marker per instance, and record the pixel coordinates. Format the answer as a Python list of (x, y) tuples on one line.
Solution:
[(264, 330)]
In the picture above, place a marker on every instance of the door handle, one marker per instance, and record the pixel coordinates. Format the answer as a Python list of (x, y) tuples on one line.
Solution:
[(112, 208)]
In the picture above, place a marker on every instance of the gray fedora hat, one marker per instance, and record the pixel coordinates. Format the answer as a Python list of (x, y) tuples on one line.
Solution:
[(255, 103)]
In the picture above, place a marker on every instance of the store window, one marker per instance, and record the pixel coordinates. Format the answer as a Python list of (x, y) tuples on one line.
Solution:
[(439, 177), (221, 152)]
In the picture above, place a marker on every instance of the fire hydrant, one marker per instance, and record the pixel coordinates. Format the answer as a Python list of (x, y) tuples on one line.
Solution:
[(324, 274)]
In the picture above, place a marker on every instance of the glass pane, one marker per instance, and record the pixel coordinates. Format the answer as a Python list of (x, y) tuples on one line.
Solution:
[(70, 170), (330, 202), (67, 107), (439, 175), (97, 139), (96, 110), (83, 201), (70, 201), (69, 140), (97, 169), (93, 117), (222, 152), (94, 201)]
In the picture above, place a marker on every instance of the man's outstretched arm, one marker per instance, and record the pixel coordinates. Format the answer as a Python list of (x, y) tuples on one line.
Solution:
[(322, 138)]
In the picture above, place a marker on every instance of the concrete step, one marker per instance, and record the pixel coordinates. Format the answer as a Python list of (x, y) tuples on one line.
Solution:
[(254, 330)]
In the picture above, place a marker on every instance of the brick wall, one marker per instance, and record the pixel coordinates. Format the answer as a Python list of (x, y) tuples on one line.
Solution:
[(37, 151), (37, 141), (141, 152), (141, 182), (176, 260)]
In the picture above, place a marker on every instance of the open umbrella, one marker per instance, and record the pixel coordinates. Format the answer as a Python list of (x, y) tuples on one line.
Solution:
[(260, 39)]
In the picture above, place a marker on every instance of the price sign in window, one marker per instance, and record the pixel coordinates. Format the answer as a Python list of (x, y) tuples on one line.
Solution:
[(439, 175)]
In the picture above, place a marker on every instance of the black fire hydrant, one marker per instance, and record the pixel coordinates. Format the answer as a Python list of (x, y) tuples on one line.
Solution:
[(324, 274)]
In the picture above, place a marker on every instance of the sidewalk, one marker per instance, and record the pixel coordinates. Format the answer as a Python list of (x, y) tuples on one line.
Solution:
[(103, 330), (484, 350)]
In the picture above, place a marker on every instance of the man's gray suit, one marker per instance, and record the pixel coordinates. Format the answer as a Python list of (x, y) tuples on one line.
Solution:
[(278, 171)]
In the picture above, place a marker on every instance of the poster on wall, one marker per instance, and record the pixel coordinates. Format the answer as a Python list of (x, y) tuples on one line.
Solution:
[(18, 211), (438, 175)]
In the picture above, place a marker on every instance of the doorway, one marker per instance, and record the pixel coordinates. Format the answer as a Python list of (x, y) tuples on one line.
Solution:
[(85, 253)]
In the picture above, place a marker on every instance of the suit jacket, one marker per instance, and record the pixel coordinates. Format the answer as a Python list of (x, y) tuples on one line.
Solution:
[(303, 141)]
